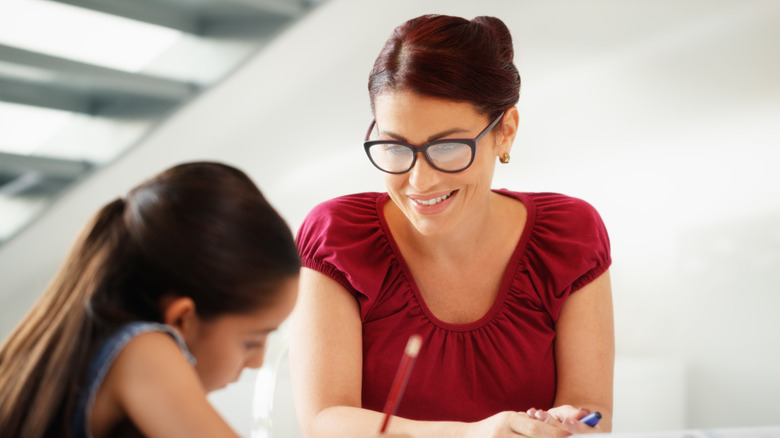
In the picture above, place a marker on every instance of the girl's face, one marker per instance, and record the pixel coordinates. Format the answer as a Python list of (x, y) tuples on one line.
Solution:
[(436, 202), (226, 345)]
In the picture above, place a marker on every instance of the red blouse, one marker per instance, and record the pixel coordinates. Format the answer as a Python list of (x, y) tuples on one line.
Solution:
[(464, 372)]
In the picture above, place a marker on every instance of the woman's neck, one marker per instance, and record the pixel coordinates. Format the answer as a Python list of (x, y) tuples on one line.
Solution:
[(474, 236)]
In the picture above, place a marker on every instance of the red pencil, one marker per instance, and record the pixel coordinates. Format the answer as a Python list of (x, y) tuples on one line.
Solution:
[(401, 377)]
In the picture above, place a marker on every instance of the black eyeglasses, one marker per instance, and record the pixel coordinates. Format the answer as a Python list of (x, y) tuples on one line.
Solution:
[(449, 155)]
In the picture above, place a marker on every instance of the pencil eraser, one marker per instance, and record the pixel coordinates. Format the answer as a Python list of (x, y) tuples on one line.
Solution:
[(592, 419), (413, 346)]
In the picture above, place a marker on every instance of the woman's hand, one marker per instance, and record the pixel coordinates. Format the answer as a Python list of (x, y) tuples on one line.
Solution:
[(516, 424), (568, 417)]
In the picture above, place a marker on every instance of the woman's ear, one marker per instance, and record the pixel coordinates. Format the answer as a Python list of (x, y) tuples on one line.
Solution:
[(506, 130), (179, 313)]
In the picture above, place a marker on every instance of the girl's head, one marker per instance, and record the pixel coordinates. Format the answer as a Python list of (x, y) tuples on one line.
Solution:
[(197, 247), (202, 231), (206, 253), (450, 58)]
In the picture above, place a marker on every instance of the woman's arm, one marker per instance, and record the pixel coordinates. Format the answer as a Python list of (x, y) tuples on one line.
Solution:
[(326, 359), (585, 353), (152, 383), (326, 362)]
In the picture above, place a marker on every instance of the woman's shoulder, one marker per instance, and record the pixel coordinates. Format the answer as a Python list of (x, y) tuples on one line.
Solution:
[(558, 212), (567, 246), (561, 229), (567, 216), (349, 215), (347, 206), (551, 202), (562, 204), (346, 239)]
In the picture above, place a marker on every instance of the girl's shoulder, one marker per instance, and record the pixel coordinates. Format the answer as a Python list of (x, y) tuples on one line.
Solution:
[(136, 335), (138, 360), (147, 357), (154, 386)]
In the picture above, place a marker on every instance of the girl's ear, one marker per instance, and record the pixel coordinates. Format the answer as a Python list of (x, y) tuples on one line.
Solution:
[(179, 313)]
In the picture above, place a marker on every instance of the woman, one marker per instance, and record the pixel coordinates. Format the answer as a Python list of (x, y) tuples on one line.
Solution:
[(509, 291), (169, 294)]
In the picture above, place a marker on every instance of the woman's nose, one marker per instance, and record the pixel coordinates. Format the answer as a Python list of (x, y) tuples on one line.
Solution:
[(422, 175)]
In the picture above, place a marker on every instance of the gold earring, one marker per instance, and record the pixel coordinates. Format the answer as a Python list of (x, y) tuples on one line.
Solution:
[(504, 158)]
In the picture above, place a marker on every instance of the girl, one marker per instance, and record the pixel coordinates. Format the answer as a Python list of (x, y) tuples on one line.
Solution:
[(169, 293)]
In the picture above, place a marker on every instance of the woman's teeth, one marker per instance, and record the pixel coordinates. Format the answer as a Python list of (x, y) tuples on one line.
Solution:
[(433, 201)]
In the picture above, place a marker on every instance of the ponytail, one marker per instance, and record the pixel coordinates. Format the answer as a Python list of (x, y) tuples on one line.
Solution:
[(41, 362)]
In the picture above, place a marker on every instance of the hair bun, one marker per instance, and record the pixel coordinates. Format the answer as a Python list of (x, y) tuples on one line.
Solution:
[(451, 58)]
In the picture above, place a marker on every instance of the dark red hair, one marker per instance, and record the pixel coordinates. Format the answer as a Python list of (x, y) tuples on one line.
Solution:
[(450, 58)]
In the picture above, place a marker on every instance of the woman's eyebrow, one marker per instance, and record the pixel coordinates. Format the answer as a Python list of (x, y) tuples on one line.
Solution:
[(430, 139)]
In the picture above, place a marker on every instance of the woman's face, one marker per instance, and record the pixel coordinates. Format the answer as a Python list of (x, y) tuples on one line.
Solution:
[(226, 345), (437, 202)]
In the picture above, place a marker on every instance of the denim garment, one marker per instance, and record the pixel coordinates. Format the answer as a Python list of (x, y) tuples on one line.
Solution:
[(102, 363)]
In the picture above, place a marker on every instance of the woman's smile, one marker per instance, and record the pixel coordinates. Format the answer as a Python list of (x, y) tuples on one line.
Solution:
[(424, 202)]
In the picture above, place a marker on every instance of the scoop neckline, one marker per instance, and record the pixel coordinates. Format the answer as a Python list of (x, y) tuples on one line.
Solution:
[(503, 291)]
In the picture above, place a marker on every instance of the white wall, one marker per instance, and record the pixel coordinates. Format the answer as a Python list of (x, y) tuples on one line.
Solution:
[(663, 114)]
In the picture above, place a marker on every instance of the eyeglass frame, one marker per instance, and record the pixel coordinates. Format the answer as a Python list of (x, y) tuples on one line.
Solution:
[(470, 142)]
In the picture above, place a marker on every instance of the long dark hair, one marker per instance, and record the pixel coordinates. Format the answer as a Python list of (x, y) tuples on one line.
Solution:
[(201, 230), (450, 58)]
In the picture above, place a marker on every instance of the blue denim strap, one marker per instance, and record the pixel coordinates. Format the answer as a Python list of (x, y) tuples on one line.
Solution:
[(102, 362)]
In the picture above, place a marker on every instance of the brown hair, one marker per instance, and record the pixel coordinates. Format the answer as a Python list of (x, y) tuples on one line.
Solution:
[(450, 58), (201, 230)]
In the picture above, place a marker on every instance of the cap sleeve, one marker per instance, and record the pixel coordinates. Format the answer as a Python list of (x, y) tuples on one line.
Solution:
[(343, 239), (568, 248)]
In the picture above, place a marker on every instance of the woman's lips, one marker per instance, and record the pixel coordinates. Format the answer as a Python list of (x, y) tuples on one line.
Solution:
[(432, 204)]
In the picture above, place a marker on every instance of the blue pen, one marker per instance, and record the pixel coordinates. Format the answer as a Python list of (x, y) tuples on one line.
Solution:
[(591, 419)]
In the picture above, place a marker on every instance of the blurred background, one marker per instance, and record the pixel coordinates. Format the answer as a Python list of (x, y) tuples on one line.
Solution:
[(664, 114)]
